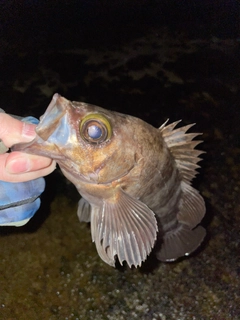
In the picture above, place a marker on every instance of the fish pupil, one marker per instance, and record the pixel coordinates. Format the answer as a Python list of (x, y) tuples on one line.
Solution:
[(94, 131)]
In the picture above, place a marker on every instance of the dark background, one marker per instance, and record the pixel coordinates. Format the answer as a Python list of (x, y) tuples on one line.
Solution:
[(34, 33)]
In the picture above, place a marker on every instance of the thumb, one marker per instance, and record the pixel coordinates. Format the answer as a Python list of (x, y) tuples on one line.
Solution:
[(13, 131)]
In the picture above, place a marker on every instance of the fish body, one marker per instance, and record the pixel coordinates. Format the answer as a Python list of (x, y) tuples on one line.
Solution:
[(134, 179)]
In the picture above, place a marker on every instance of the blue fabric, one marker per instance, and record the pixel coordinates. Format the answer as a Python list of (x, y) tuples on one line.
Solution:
[(20, 215), (30, 119), (19, 201)]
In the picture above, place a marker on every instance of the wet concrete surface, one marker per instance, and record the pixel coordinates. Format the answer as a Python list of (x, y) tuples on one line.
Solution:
[(49, 269)]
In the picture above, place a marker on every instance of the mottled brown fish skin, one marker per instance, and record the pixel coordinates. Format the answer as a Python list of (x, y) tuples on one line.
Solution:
[(135, 183)]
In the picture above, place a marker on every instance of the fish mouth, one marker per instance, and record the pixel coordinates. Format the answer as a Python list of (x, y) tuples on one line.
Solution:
[(50, 121), (36, 147), (53, 131)]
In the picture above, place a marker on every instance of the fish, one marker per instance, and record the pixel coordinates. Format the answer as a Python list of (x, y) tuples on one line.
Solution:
[(134, 179)]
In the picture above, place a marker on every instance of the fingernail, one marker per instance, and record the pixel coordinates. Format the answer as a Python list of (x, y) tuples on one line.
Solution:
[(28, 130), (19, 165)]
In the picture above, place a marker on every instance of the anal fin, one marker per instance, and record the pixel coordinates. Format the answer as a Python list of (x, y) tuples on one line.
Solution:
[(192, 207), (180, 242), (84, 210)]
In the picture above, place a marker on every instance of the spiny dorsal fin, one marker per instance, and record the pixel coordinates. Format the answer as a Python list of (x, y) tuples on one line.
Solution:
[(182, 147)]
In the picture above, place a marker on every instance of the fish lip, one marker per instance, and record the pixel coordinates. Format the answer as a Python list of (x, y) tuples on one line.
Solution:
[(32, 148)]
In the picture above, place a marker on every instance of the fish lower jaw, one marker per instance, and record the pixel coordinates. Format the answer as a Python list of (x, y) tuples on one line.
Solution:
[(74, 175), (30, 148)]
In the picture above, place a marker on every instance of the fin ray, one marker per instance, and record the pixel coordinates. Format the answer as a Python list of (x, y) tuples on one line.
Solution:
[(180, 242), (84, 210), (126, 228), (181, 146), (192, 207)]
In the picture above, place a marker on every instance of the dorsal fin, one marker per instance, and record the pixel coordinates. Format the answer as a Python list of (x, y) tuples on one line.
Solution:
[(182, 147)]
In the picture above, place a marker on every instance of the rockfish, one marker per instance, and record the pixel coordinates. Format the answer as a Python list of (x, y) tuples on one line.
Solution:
[(134, 179)]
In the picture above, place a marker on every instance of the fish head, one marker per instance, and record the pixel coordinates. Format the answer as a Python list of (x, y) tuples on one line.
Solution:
[(87, 141)]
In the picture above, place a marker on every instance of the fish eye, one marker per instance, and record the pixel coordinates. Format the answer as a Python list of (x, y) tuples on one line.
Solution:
[(95, 128)]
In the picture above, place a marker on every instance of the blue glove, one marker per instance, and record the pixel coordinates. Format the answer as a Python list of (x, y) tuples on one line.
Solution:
[(19, 201)]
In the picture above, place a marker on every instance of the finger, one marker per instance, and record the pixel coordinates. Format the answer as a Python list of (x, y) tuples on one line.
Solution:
[(13, 131), (17, 167), (19, 162)]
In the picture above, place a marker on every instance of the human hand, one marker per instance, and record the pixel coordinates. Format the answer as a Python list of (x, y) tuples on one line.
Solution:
[(19, 201), (17, 166)]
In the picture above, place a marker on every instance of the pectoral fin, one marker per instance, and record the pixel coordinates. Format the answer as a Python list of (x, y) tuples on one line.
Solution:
[(124, 227)]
